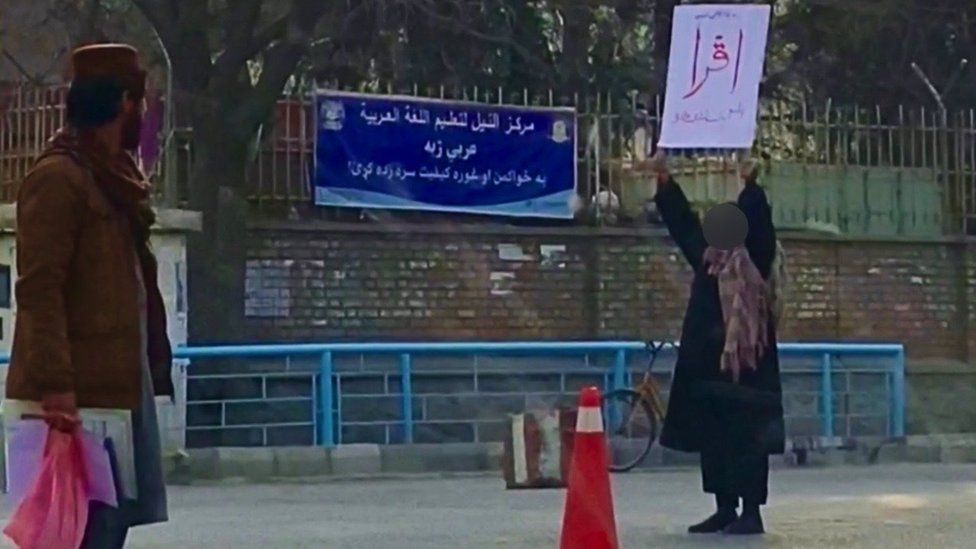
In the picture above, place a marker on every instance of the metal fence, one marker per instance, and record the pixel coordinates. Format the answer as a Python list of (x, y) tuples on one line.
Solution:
[(29, 117), (462, 392), (841, 159), (858, 170), (402, 393)]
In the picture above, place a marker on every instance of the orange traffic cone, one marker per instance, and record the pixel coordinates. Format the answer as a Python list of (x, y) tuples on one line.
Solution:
[(588, 521)]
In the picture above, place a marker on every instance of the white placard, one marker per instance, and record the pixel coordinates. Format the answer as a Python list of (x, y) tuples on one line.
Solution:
[(716, 63)]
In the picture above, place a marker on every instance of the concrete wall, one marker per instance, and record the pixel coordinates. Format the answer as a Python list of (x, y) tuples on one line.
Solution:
[(40, 34), (367, 282), (854, 200), (169, 243), (344, 282), (468, 399)]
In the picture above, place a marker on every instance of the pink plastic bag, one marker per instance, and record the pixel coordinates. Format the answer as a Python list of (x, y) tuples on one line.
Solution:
[(26, 441), (54, 512)]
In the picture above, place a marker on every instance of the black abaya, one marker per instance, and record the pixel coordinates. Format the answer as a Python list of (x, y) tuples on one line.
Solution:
[(734, 425)]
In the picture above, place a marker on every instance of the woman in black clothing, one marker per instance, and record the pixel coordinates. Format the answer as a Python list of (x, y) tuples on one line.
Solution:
[(726, 401)]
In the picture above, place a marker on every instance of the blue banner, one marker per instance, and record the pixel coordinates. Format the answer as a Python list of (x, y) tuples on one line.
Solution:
[(419, 154)]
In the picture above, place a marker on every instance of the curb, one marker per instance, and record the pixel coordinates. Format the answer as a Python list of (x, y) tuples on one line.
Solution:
[(373, 461), (347, 461)]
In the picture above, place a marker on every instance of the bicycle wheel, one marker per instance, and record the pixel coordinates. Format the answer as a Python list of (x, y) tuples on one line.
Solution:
[(630, 426)]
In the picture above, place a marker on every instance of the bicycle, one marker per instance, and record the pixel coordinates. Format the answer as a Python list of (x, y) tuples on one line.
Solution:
[(631, 417)]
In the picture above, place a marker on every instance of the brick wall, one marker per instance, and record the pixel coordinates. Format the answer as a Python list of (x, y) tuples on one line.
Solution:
[(331, 282), (870, 291)]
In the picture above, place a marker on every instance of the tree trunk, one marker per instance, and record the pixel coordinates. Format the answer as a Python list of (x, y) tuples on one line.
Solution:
[(663, 13), (90, 32), (216, 256), (573, 64)]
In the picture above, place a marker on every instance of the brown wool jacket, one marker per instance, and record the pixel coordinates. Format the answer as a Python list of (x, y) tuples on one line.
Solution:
[(78, 317)]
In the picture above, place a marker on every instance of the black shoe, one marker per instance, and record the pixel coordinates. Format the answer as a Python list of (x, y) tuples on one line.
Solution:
[(715, 523), (748, 524)]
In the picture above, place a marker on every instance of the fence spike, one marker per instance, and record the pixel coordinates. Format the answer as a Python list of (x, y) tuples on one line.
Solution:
[(33, 114)]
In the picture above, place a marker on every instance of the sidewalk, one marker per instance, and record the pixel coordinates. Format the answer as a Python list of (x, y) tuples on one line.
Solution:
[(369, 460), (904, 506)]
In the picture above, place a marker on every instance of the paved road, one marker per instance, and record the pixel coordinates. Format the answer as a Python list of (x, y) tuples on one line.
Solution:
[(871, 507)]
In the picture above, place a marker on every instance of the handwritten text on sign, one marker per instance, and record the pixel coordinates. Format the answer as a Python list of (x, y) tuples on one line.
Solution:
[(714, 71), (408, 153)]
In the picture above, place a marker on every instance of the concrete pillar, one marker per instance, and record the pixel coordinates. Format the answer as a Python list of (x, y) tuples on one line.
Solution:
[(169, 243)]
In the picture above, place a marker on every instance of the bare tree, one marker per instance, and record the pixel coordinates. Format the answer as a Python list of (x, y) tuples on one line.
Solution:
[(27, 55), (231, 59), (663, 13), (210, 45), (213, 45)]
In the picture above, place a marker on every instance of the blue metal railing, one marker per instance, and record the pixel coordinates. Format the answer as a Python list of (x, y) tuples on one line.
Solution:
[(324, 427), (327, 412), (895, 378)]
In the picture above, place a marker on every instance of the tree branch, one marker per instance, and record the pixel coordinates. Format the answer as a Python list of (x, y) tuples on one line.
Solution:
[(273, 31), (239, 25), (229, 63), (456, 23), (90, 26), (20, 68), (189, 48), (161, 15), (279, 63)]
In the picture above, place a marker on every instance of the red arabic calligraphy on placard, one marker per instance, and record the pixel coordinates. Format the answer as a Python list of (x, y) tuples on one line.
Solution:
[(718, 62), (714, 71)]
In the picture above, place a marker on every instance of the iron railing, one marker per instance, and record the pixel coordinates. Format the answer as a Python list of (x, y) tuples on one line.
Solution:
[(385, 392), (30, 116), (840, 393), (841, 166)]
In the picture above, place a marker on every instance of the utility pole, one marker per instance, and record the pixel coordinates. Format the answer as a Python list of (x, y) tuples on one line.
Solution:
[(952, 197), (956, 201), (169, 182)]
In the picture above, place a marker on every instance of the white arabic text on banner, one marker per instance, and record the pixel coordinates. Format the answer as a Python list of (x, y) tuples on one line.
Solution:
[(716, 64), (411, 153)]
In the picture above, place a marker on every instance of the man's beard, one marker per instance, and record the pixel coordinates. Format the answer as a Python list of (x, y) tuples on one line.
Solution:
[(132, 132)]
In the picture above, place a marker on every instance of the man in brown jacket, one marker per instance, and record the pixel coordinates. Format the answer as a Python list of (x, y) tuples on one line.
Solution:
[(91, 328)]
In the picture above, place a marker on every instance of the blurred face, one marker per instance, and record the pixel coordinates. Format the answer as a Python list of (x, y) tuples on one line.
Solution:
[(725, 227), (132, 113)]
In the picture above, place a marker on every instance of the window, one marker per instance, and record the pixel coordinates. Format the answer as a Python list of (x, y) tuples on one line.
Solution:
[(5, 293)]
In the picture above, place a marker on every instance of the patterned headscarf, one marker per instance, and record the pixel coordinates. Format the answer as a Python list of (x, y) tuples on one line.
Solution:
[(745, 300)]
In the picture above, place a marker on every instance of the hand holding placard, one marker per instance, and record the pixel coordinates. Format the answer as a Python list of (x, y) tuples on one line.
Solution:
[(714, 70)]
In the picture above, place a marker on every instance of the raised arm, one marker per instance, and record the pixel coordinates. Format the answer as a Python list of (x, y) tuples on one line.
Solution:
[(682, 222), (761, 239)]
